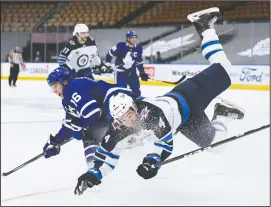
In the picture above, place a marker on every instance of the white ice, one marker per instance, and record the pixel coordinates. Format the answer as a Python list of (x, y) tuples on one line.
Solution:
[(237, 175)]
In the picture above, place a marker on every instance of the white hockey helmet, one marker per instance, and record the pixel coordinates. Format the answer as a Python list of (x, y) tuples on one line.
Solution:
[(119, 105), (78, 29)]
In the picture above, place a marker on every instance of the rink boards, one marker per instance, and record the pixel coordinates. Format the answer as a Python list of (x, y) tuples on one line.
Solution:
[(247, 77)]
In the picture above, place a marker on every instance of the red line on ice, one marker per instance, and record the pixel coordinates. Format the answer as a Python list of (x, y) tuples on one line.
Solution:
[(33, 194)]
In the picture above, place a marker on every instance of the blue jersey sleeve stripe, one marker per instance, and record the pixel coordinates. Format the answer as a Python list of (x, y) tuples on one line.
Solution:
[(61, 61), (167, 147), (62, 56), (98, 159), (109, 154), (168, 137), (109, 52), (89, 109), (139, 63)]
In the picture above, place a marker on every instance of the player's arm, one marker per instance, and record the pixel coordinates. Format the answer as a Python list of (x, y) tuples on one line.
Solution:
[(105, 159), (65, 55), (95, 58), (113, 52), (69, 124), (162, 148), (139, 65)]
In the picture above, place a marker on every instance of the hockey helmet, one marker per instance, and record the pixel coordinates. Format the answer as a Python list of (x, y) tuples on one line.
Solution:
[(130, 34), (78, 29), (119, 105), (60, 75)]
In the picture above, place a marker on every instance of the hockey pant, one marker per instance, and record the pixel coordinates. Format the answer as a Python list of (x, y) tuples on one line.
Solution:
[(128, 78), (193, 96)]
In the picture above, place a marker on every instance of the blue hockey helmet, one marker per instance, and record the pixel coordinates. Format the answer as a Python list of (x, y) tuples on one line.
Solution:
[(130, 34), (60, 75)]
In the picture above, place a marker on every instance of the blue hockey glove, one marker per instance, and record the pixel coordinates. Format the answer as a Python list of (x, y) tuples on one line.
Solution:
[(51, 148), (148, 169), (144, 76), (92, 177)]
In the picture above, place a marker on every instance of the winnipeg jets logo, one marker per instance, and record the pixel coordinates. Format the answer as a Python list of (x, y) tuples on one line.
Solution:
[(161, 123), (144, 113), (82, 60)]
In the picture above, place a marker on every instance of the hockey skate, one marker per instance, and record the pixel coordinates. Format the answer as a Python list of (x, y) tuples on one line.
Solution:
[(204, 19), (224, 111), (227, 109)]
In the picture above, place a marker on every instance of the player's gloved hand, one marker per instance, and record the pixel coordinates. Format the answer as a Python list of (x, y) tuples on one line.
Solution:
[(92, 177), (51, 148), (144, 76), (106, 68), (96, 71), (148, 168)]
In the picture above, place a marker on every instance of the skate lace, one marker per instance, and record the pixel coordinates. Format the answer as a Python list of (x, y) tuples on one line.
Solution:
[(212, 22)]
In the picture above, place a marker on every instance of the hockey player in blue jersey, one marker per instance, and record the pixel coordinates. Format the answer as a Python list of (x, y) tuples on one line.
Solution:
[(85, 102), (128, 58), (182, 109)]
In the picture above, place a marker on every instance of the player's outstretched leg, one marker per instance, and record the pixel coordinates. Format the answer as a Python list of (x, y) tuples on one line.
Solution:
[(212, 49)]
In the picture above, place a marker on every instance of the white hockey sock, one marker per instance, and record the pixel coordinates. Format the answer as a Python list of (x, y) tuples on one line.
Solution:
[(212, 49), (220, 125)]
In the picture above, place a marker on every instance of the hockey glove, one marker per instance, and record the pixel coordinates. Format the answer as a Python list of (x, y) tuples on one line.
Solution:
[(51, 148), (103, 68), (144, 76), (148, 169), (89, 179)]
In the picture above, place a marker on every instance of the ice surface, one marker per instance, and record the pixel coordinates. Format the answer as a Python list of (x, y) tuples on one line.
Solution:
[(238, 175)]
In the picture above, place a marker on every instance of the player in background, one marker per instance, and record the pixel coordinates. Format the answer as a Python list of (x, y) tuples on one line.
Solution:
[(181, 109), (128, 58), (85, 102), (80, 54)]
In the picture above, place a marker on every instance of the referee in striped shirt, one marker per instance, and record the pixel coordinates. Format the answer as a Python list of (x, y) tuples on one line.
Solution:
[(15, 58)]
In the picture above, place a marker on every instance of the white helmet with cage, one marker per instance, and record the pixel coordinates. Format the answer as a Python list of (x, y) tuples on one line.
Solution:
[(78, 29), (119, 105)]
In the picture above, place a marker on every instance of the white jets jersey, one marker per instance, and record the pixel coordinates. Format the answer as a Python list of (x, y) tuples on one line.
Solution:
[(79, 56)]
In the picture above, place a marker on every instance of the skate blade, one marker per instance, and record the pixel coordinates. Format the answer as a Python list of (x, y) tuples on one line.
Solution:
[(229, 104), (195, 16)]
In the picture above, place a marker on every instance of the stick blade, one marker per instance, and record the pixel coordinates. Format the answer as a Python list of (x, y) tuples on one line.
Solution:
[(5, 174)]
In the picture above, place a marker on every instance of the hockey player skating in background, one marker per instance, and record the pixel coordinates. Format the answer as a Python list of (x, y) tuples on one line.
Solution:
[(128, 58), (80, 54), (85, 102), (181, 109)]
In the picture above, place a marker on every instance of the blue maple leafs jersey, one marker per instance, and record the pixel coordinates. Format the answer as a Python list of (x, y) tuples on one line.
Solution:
[(85, 101), (126, 58)]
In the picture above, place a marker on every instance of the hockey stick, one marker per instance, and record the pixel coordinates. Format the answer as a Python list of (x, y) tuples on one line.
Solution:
[(170, 82), (175, 83), (29, 161), (214, 145)]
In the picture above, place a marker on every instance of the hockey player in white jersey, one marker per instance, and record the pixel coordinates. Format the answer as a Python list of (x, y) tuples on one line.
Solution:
[(180, 110), (80, 54)]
